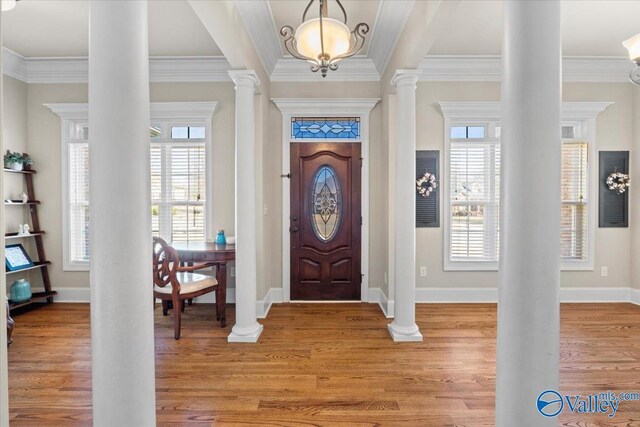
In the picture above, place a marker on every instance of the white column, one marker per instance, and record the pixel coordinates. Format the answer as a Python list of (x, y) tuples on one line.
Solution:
[(528, 307), (122, 347), (403, 327), (246, 329)]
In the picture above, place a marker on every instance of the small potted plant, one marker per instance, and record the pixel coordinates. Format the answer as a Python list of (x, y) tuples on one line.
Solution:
[(16, 161)]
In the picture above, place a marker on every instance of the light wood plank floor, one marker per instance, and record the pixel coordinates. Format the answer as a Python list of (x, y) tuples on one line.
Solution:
[(322, 365)]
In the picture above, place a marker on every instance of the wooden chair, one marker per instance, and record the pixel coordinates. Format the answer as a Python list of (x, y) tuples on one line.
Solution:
[(173, 284)]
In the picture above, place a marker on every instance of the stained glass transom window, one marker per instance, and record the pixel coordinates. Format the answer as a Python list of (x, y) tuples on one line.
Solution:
[(325, 128), (326, 203)]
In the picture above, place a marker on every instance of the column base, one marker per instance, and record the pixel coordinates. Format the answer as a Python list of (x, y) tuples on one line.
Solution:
[(250, 335), (404, 334)]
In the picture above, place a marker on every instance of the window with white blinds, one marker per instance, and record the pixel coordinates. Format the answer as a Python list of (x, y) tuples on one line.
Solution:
[(178, 185), (178, 180), (78, 194), (472, 236)]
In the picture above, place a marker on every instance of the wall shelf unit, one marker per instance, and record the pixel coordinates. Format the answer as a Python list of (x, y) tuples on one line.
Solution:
[(40, 263)]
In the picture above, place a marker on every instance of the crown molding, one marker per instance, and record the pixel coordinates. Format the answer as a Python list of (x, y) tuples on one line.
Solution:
[(261, 27), (306, 106), (356, 69), (390, 21), (493, 110), (481, 68), (76, 69), (157, 110)]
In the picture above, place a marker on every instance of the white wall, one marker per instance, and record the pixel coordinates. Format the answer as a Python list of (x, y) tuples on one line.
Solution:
[(614, 132), (634, 193)]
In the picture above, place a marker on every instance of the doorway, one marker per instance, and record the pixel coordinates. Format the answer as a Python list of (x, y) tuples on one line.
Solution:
[(325, 221)]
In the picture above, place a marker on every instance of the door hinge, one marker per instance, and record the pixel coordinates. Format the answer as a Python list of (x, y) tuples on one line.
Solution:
[(286, 176), (361, 161), (361, 278), (360, 221)]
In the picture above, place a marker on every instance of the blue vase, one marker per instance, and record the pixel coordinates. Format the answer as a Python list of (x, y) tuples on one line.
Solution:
[(20, 291), (220, 238)]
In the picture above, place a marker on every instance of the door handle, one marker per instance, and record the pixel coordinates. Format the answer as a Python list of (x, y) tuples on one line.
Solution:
[(293, 229)]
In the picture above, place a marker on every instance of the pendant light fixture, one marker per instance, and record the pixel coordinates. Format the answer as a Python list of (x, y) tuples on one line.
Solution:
[(633, 46), (323, 41), (8, 4)]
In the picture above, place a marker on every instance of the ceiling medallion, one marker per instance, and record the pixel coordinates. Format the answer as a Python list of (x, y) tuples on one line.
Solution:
[(324, 41)]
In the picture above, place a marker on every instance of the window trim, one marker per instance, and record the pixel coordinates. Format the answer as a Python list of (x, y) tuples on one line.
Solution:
[(171, 112), (573, 113)]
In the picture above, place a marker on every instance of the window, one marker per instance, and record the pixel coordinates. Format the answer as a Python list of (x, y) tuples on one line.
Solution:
[(178, 183), (325, 128), (472, 195), (180, 146)]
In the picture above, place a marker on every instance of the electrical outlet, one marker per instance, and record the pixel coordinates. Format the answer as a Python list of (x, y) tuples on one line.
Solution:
[(386, 278), (604, 271), (232, 271), (423, 271)]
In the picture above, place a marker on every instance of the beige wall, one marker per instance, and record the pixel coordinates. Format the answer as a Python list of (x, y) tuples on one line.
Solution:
[(614, 132), (37, 130), (45, 145)]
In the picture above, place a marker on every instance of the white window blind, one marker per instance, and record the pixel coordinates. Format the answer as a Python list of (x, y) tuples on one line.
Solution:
[(474, 200), (574, 224), (474, 195), (178, 180), (78, 188)]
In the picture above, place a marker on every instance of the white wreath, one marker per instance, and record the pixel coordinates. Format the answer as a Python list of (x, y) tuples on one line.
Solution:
[(430, 180), (618, 182)]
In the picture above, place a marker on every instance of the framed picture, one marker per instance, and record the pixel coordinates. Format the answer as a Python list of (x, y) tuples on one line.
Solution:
[(17, 257)]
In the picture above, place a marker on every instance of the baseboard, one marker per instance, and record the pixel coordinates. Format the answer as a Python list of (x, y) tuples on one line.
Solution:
[(377, 296), (274, 295), (634, 296), (490, 295)]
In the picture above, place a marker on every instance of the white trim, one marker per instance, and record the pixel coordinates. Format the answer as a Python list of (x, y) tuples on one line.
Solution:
[(356, 69), (70, 113), (377, 296), (76, 69), (290, 107), (585, 113), (490, 295), (488, 68), (261, 27), (438, 295), (390, 21)]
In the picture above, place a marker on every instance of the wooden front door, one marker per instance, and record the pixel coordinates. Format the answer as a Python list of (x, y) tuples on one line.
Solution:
[(325, 221)]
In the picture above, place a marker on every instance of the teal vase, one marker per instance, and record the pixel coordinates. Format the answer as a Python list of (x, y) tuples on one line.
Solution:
[(21, 291), (220, 238)]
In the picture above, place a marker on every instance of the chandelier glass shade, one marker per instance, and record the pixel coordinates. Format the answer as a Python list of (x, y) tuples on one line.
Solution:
[(323, 41), (8, 5), (633, 46)]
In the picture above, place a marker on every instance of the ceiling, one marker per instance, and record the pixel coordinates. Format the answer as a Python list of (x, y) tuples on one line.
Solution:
[(589, 28), (289, 12), (59, 28)]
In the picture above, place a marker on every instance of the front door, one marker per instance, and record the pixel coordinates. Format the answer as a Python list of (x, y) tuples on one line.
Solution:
[(325, 221)]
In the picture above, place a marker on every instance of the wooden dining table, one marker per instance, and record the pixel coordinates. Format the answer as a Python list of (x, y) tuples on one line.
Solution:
[(215, 255)]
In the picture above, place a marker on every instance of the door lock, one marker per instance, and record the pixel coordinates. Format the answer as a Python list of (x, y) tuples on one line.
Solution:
[(293, 229)]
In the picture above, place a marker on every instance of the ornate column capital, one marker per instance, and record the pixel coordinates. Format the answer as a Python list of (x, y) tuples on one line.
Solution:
[(244, 78), (403, 78)]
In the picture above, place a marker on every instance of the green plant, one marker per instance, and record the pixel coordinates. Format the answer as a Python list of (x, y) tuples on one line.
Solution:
[(16, 157)]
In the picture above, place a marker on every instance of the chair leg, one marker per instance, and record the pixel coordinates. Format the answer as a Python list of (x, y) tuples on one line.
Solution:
[(183, 305), (176, 319), (190, 301), (165, 307)]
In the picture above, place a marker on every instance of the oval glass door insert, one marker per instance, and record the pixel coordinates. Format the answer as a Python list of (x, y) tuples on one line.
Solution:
[(326, 203)]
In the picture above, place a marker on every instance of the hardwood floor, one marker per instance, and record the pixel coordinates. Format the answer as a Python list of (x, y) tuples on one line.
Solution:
[(321, 364)]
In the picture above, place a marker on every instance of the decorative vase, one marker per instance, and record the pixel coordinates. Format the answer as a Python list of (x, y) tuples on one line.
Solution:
[(17, 166), (21, 291), (220, 238)]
